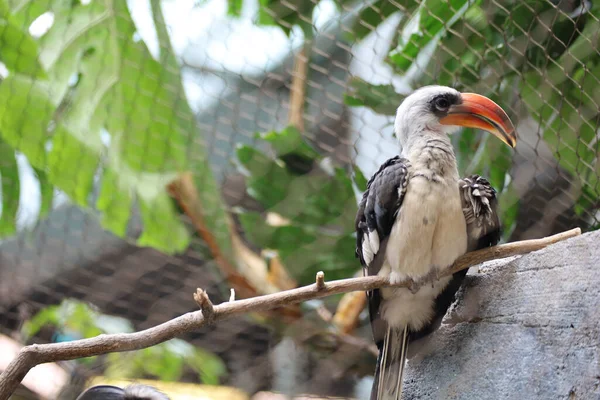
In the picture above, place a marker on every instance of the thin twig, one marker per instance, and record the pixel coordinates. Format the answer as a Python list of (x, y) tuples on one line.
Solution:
[(320, 280), (206, 306), (35, 354)]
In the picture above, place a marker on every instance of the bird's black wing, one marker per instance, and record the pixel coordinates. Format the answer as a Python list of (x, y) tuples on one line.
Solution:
[(376, 214)]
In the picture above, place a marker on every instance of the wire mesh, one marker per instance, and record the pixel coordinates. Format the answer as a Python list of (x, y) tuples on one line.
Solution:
[(104, 104)]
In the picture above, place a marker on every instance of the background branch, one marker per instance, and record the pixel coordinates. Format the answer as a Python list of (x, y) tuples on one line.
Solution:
[(186, 195), (298, 89), (35, 354)]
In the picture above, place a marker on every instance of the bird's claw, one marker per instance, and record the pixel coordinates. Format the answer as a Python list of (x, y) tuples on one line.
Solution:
[(415, 285)]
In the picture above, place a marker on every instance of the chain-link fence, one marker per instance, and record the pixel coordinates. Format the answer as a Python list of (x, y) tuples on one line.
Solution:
[(149, 148)]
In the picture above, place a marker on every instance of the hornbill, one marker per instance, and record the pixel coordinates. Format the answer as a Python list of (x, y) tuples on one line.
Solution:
[(417, 217)]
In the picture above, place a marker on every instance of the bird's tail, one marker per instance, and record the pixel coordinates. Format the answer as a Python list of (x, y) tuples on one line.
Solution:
[(387, 384)]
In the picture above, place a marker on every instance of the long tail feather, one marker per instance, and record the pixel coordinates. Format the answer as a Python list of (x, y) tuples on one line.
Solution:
[(389, 372)]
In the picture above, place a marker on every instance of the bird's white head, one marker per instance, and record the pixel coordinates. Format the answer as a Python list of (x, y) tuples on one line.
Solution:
[(441, 110)]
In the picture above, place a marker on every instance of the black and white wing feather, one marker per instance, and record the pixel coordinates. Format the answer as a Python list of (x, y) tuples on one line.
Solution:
[(380, 205), (480, 207), (377, 212)]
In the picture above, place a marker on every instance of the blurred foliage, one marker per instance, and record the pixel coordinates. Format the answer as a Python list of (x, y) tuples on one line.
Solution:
[(315, 200), (284, 14), (538, 54), (543, 55), (88, 106), (74, 320)]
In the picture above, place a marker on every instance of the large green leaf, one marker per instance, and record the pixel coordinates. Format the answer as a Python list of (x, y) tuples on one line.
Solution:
[(26, 109), (119, 91), (18, 50)]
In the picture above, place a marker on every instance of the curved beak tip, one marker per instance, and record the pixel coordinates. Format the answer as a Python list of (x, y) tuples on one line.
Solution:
[(477, 111)]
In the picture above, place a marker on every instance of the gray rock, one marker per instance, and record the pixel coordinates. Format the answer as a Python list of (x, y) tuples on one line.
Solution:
[(528, 328)]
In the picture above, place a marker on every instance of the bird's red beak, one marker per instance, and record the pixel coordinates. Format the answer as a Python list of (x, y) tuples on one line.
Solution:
[(479, 112)]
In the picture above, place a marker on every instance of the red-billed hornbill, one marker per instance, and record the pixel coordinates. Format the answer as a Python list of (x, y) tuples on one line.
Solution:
[(417, 217)]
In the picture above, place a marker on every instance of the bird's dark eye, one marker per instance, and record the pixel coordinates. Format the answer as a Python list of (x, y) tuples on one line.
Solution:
[(442, 104)]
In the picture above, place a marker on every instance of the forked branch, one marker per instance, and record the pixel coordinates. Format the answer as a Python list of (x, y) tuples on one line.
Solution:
[(35, 354)]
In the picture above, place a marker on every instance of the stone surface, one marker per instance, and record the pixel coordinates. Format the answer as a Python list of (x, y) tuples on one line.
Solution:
[(528, 328)]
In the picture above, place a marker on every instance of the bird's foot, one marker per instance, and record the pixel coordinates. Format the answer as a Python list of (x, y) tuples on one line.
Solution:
[(416, 284), (396, 277)]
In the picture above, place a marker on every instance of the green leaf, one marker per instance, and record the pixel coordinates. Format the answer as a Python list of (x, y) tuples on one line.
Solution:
[(290, 141), (332, 254), (166, 362), (210, 367), (537, 88), (359, 178), (285, 239), (570, 136), (215, 215), (587, 201), (26, 110), (120, 92), (162, 228), (18, 50), (320, 206), (467, 143), (268, 181), (46, 193), (430, 20), (115, 205), (234, 8), (328, 201), (9, 172), (66, 152), (47, 316), (4, 8), (508, 204), (286, 14), (382, 99), (373, 14), (70, 315)]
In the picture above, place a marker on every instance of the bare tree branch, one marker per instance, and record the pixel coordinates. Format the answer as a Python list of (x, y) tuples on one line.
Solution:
[(35, 354), (298, 90)]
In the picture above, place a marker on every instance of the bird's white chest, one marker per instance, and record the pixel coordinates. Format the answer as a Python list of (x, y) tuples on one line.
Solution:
[(430, 230), (429, 233)]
